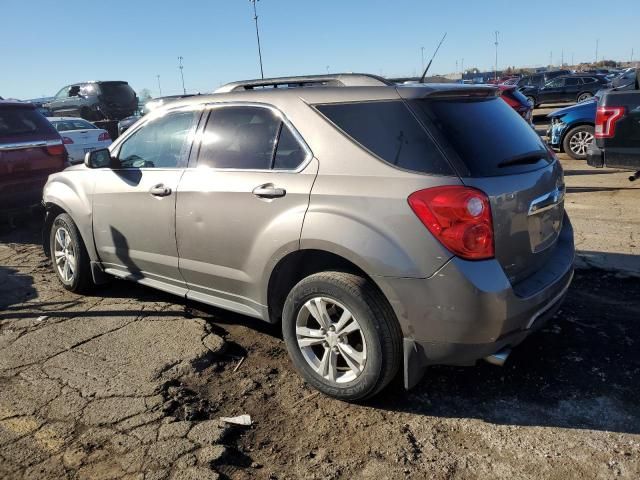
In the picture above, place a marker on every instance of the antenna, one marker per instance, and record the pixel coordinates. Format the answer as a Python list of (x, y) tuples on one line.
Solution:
[(424, 74)]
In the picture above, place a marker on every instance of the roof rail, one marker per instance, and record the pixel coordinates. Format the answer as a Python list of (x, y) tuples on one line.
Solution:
[(332, 80)]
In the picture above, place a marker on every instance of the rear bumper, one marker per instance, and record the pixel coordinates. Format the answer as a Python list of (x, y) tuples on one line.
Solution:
[(20, 195), (469, 310), (595, 156)]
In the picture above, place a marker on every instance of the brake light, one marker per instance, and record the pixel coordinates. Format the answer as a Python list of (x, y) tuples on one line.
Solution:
[(67, 140), (104, 136), (606, 118), (459, 217), (55, 149)]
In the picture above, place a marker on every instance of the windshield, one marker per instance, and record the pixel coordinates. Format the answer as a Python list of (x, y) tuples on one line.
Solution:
[(67, 125)]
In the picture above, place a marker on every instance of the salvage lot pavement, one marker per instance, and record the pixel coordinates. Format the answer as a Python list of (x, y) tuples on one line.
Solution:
[(130, 382)]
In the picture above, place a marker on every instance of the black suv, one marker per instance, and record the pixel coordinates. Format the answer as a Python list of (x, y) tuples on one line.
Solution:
[(540, 79), (566, 88), (112, 100)]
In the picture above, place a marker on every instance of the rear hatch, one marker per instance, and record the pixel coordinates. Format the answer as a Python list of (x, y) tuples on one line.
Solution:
[(119, 98), (495, 150), (30, 148)]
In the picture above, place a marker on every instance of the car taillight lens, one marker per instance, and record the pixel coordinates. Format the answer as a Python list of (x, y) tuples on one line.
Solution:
[(55, 149), (606, 118), (104, 136), (459, 217), (67, 140)]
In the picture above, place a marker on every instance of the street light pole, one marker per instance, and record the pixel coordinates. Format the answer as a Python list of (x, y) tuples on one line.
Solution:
[(597, 44), (159, 87), (496, 72), (255, 18), (422, 56), (184, 90)]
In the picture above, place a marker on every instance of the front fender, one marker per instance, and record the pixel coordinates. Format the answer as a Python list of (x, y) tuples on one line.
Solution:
[(70, 191)]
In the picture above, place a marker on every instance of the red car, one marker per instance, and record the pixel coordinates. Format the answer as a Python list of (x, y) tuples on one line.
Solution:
[(516, 100), (30, 150)]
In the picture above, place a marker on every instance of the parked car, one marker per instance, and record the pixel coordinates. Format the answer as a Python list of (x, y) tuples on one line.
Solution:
[(617, 131), (516, 100), (30, 150), (79, 136), (566, 88), (112, 100), (386, 227), (625, 78), (149, 106), (540, 79), (572, 128)]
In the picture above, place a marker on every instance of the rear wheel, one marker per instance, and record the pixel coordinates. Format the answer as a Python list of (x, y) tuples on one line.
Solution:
[(69, 255), (577, 140), (532, 101), (584, 96), (342, 335)]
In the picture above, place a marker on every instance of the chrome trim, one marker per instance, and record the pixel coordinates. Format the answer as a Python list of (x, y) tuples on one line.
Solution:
[(25, 145), (499, 357), (547, 201)]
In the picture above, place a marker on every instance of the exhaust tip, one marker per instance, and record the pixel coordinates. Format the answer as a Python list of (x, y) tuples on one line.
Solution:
[(499, 357)]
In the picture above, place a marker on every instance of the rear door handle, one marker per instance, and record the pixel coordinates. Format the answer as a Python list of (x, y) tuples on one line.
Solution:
[(160, 190), (269, 191)]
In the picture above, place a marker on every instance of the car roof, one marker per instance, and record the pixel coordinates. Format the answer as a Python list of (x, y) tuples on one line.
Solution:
[(65, 119), (16, 103)]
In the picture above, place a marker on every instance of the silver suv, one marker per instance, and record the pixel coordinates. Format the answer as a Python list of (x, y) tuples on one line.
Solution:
[(384, 226)]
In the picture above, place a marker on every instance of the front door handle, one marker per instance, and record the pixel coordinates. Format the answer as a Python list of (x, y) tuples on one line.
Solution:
[(269, 191), (160, 190)]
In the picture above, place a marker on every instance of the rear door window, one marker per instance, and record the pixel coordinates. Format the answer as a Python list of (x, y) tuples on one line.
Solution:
[(572, 82), (487, 135), (390, 131)]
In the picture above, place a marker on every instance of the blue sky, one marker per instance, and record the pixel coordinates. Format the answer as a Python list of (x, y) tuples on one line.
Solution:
[(55, 43)]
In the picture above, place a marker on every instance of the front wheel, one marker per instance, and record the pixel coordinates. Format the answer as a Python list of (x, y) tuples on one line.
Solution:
[(68, 255), (584, 96), (577, 140), (342, 335), (532, 101)]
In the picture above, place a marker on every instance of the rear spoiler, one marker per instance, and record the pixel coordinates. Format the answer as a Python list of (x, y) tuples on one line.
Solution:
[(443, 91)]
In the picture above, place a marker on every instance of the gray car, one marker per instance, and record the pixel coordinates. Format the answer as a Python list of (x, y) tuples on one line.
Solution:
[(386, 227)]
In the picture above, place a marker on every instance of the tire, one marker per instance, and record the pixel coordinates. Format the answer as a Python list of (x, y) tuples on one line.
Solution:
[(367, 355), (532, 101), (584, 96), (71, 252), (576, 141)]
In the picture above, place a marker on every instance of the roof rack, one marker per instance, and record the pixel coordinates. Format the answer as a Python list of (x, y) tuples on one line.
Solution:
[(332, 80)]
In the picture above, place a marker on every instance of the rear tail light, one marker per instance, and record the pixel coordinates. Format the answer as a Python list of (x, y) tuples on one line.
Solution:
[(56, 148), (606, 118), (104, 136), (67, 140), (459, 217)]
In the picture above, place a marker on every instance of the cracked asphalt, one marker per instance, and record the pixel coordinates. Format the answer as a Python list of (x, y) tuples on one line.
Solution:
[(129, 383)]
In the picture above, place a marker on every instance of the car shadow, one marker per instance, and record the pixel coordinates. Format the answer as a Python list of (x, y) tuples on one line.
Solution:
[(15, 288), (580, 371), (598, 189)]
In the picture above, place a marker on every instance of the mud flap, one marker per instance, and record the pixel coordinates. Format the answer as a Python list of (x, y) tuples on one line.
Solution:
[(414, 363)]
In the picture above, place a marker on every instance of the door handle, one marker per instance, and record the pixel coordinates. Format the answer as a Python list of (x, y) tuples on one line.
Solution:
[(269, 191), (160, 190)]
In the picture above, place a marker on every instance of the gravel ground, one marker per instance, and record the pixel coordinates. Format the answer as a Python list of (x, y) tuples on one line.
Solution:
[(130, 383)]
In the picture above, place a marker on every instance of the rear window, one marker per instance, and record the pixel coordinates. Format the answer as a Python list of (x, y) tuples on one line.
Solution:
[(488, 136), (390, 131), (17, 121), (117, 91), (67, 125)]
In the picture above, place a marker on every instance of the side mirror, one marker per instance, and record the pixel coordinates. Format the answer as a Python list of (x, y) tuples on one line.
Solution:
[(100, 158)]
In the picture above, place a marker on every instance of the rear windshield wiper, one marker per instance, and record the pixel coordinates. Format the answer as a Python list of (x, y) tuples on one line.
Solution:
[(525, 158)]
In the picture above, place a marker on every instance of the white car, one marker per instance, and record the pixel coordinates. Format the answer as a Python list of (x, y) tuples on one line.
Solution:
[(80, 136)]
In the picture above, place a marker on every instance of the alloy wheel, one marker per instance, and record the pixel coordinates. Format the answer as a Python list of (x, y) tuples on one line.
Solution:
[(331, 340), (64, 255), (583, 97), (579, 142)]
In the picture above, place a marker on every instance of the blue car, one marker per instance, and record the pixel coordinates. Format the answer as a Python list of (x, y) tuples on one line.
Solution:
[(572, 128)]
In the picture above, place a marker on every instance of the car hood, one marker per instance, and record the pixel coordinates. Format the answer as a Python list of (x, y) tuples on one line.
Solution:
[(586, 105)]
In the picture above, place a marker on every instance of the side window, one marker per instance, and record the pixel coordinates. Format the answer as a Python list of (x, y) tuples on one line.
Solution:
[(161, 143), (239, 137), (74, 90), (572, 82), (558, 82), (289, 153), (87, 89), (590, 80)]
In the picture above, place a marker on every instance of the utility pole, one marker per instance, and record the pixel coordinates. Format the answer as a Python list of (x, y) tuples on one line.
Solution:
[(496, 43), (180, 58), (327, 69), (255, 18), (159, 87), (572, 64), (462, 66), (562, 59), (551, 58), (631, 59), (597, 45), (422, 56)]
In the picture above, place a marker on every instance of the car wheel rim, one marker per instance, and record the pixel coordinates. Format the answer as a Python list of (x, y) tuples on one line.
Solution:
[(64, 255), (331, 340), (583, 97), (579, 142)]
